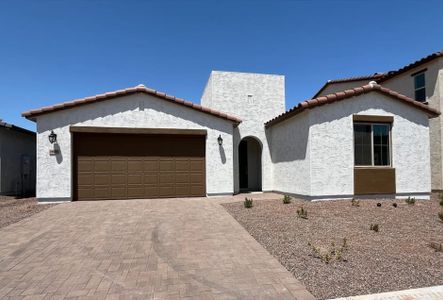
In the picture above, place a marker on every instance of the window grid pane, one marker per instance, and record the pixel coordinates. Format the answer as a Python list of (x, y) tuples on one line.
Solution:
[(362, 145), (372, 144)]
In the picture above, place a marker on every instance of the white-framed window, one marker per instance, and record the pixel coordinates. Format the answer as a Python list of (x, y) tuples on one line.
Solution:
[(372, 144), (419, 87)]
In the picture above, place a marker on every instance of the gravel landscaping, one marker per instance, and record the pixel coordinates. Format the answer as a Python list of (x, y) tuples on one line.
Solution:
[(13, 210), (396, 257)]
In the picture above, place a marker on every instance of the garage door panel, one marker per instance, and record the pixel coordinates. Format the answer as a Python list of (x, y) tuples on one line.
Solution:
[(197, 190), (135, 165), (102, 192), (136, 191), (102, 165), (151, 164), (151, 178), (118, 179), (85, 165), (110, 166), (86, 192), (118, 192), (118, 165), (135, 178), (166, 177), (182, 177), (182, 165), (167, 191), (197, 165), (167, 165), (86, 179), (102, 179)]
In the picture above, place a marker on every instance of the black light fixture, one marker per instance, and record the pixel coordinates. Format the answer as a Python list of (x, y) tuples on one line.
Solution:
[(220, 140), (52, 137)]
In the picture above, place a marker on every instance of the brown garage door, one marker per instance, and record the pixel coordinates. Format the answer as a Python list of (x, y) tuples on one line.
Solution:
[(134, 166)]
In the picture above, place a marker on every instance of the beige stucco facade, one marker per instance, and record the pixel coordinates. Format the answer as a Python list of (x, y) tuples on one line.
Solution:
[(403, 83)]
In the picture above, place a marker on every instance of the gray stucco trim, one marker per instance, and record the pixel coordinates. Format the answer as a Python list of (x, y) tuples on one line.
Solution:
[(54, 200), (350, 196), (219, 194)]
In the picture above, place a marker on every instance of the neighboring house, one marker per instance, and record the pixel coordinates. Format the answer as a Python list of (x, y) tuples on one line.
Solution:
[(141, 143), (421, 80), (17, 160)]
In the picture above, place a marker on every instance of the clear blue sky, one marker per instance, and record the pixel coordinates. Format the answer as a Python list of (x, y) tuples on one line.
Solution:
[(53, 51)]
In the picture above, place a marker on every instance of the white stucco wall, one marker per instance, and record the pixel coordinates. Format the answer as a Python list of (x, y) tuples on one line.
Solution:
[(228, 92), (328, 164), (290, 152), (54, 173)]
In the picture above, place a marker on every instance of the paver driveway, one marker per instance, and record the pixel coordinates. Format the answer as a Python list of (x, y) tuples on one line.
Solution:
[(146, 249)]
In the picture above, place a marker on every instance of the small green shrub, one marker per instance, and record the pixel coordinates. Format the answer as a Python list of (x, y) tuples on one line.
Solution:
[(302, 213), (440, 215), (410, 201), (441, 200), (248, 203), (374, 227), (394, 204), (332, 253), (286, 199), (355, 203)]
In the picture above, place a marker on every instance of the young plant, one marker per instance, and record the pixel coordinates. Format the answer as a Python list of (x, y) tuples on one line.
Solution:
[(330, 254), (394, 204), (441, 200), (286, 199), (302, 213), (248, 203), (374, 227), (440, 215), (410, 201), (355, 203)]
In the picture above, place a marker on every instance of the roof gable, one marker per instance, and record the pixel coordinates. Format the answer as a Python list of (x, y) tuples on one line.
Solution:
[(372, 87), (32, 114)]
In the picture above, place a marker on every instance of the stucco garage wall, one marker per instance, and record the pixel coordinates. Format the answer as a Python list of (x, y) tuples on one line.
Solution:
[(54, 173), (332, 157), (290, 153)]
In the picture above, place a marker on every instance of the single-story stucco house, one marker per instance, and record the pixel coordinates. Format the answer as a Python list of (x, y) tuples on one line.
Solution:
[(17, 160), (141, 143)]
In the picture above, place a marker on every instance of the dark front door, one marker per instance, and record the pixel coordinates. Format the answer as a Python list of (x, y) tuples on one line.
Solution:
[(243, 164)]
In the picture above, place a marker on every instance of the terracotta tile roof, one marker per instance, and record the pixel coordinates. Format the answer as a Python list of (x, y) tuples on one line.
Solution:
[(372, 87), (415, 64), (349, 79), (124, 92), (13, 127), (381, 77)]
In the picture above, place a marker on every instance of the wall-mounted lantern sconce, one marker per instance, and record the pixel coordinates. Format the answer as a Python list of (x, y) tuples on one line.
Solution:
[(220, 140), (52, 137)]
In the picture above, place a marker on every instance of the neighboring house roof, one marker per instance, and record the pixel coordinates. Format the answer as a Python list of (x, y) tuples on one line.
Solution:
[(350, 79), (381, 77), (372, 87), (16, 128), (124, 92), (413, 65)]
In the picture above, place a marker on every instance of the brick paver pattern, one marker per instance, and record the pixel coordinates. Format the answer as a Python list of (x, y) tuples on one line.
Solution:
[(139, 249)]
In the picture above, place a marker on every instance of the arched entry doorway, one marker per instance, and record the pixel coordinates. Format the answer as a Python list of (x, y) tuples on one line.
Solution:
[(249, 153)]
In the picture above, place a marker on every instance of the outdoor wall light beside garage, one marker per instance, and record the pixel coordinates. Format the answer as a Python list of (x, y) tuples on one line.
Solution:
[(220, 140), (52, 137), (53, 140)]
